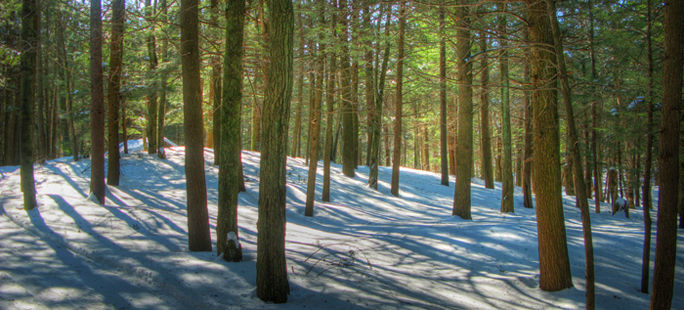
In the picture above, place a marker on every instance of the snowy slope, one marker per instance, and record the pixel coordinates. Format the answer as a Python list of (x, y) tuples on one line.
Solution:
[(364, 250)]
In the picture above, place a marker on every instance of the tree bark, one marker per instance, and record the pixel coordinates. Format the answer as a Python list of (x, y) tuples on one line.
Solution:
[(196, 188), (272, 284), (646, 256), (348, 155), (464, 143), (507, 197), (97, 122), (152, 108), (443, 135), (554, 263), (485, 136), (30, 30), (329, 124), (113, 90), (398, 102), (161, 114), (376, 126), (668, 157), (528, 153)]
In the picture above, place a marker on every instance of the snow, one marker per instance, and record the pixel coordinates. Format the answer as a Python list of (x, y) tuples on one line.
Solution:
[(364, 250)]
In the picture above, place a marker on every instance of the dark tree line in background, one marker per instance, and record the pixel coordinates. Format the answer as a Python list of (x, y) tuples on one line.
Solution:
[(364, 78)]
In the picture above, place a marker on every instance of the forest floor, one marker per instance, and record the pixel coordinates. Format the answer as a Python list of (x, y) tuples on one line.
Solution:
[(364, 250)]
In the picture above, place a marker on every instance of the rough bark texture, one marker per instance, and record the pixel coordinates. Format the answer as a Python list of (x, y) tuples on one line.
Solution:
[(315, 121), (443, 153), (646, 256), (398, 102), (464, 143), (527, 154), (668, 157), (376, 128), (227, 237), (348, 154), (152, 108), (485, 136), (272, 284), (113, 91), (574, 148), (30, 25), (330, 103), (97, 184), (161, 114), (554, 264), (198, 219), (507, 197)]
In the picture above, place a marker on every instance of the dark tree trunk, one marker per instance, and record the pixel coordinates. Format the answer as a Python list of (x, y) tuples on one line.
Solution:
[(272, 284), (348, 155), (554, 263), (97, 121), (527, 154), (646, 256), (668, 158), (376, 125), (113, 90), (196, 188), (444, 154), (507, 184), (398, 102), (329, 124), (30, 29), (300, 89), (227, 236), (485, 136), (161, 114), (152, 108), (464, 143), (215, 86)]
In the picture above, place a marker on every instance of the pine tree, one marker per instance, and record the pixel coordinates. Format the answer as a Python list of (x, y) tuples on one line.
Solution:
[(97, 121), (444, 155), (398, 102), (30, 25), (113, 91), (507, 183)]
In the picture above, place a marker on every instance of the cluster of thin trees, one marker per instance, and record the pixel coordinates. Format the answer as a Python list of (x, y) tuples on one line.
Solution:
[(334, 30)]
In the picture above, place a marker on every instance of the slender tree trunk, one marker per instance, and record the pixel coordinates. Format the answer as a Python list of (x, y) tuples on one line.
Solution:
[(113, 90), (161, 114), (329, 123), (97, 184), (124, 133), (594, 115), (527, 154), (199, 238), (348, 155), (215, 85), (30, 29), (444, 154), (464, 143), (376, 126), (370, 79), (668, 158), (152, 108), (554, 263), (66, 76), (485, 136), (646, 257), (507, 184), (574, 150), (272, 284), (300, 90), (398, 102)]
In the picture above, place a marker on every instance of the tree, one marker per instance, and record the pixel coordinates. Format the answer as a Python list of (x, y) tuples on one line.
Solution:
[(152, 108), (507, 184), (376, 124), (97, 175), (30, 25), (485, 137), (161, 114), (196, 188), (348, 152), (227, 237), (113, 91), (444, 155), (315, 120), (668, 157), (464, 141), (554, 264), (272, 284), (330, 102), (398, 102)]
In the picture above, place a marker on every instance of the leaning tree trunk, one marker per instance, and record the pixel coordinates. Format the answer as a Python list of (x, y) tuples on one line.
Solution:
[(30, 29), (271, 280), (199, 238), (668, 158), (113, 90), (554, 263)]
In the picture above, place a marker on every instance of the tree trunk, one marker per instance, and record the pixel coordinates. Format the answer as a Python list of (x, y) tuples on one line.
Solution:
[(66, 76), (398, 102), (30, 30), (296, 148), (668, 158), (444, 154), (574, 150), (376, 125), (272, 284), (215, 85), (485, 136), (464, 143), (198, 219), (113, 90), (370, 79), (527, 154), (594, 116), (316, 115), (507, 197), (348, 155), (161, 114), (646, 256), (329, 124), (227, 236), (152, 108), (97, 122), (554, 263)]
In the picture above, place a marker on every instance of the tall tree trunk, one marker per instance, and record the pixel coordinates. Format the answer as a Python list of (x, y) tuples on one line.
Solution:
[(161, 113), (464, 143), (316, 115), (113, 90), (227, 236), (554, 263), (30, 29), (507, 184), (196, 188), (668, 158), (646, 256), (66, 76), (97, 122), (370, 79), (348, 154), (444, 155), (574, 150), (485, 136), (300, 89), (594, 116), (215, 86), (152, 108), (329, 123), (527, 154), (272, 284), (376, 125), (398, 102)]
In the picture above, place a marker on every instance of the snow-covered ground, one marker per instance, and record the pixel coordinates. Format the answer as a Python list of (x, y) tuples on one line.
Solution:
[(364, 250)]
